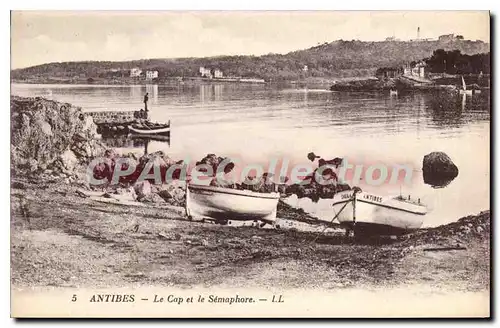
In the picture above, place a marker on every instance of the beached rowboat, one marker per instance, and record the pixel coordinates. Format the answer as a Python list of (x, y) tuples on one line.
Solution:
[(367, 213), (223, 204)]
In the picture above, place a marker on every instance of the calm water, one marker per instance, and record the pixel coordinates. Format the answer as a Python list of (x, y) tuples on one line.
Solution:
[(258, 122)]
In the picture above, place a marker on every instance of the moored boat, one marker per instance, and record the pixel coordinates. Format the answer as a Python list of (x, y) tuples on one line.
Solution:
[(223, 204), (148, 128), (465, 91), (367, 213)]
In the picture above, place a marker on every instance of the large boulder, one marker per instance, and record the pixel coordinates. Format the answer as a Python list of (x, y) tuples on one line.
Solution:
[(438, 169), (42, 130)]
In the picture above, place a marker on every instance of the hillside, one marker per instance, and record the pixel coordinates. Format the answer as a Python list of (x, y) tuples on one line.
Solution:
[(336, 59)]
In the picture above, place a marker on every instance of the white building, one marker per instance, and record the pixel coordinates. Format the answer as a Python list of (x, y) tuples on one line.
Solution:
[(211, 73), (417, 71), (151, 75), (205, 72), (135, 72), (218, 73)]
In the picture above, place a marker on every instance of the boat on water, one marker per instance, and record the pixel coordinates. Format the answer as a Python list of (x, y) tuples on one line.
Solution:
[(221, 204), (468, 92), (150, 129), (369, 214)]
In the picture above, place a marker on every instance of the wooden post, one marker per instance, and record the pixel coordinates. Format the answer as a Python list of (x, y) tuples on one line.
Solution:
[(354, 211)]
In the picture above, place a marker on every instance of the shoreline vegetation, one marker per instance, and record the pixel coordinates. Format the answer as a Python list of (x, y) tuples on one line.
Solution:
[(446, 82), (65, 233), (325, 63)]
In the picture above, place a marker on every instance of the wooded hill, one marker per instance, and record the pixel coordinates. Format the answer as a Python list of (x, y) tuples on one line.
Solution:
[(336, 59)]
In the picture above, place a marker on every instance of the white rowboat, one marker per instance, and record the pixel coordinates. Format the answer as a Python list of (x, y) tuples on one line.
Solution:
[(163, 131), (372, 214), (223, 204)]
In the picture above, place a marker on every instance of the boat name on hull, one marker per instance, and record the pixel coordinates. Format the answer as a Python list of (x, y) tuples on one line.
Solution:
[(346, 196), (372, 198)]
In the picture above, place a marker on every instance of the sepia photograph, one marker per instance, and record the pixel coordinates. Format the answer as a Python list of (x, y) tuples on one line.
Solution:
[(250, 164)]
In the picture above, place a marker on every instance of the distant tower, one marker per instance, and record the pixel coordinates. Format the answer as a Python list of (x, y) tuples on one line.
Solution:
[(418, 33)]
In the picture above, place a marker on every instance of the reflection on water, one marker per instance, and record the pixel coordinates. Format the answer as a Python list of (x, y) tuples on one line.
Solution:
[(211, 92), (452, 110), (135, 144), (137, 93), (258, 122), (152, 89)]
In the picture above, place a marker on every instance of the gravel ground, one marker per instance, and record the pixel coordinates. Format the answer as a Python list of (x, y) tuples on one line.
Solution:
[(59, 238)]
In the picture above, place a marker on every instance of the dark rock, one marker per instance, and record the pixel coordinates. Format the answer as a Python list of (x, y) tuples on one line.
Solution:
[(215, 182), (336, 162), (342, 187), (214, 161), (438, 169), (104, 170), (18, 185), (311, 156), (165, 194)]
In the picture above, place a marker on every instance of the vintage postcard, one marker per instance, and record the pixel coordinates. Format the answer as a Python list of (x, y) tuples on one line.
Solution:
[(263, 164)]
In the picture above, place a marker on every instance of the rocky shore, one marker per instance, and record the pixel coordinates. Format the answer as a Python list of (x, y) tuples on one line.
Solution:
[(68, 233), (52, 140), (401, 84)]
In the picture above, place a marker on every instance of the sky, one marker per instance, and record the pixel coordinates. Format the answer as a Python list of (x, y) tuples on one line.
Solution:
[(48, 36)]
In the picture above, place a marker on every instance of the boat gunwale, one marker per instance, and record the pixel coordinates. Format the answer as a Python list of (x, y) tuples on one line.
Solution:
[(151, 131), (236, 192), (342, 201)]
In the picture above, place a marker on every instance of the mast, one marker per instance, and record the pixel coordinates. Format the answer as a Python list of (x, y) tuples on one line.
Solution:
[(354, 211)]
